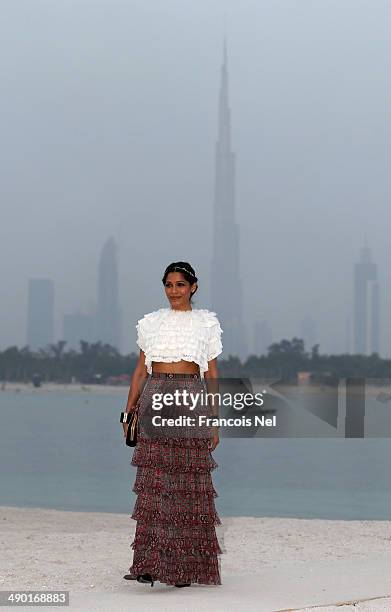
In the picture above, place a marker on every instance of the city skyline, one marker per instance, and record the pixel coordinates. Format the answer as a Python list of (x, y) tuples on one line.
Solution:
[(85, 326), (102, 325), (129, 152)]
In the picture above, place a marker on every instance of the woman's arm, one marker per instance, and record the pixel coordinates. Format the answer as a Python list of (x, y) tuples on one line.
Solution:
[(138, 379), (212, 372)]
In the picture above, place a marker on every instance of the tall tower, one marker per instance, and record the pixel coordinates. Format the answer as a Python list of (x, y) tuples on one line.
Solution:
[(366, 305), (226, 285), (108, 325)]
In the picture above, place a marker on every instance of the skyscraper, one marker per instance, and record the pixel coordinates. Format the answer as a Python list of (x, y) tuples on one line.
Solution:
[(108, 325), (40, 313), (366, 305), (226, 285)]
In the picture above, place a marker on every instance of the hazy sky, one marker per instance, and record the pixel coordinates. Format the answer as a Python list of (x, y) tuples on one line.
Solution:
[(108, 116)]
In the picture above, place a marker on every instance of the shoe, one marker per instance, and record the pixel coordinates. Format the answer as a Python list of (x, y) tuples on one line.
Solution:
[(129, 577), (145, 578), (183, 584)]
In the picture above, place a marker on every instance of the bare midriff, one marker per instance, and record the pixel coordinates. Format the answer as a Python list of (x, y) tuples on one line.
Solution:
[(176, 367)]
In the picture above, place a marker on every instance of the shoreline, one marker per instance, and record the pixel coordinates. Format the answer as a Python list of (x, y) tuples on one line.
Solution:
[(62, 387)]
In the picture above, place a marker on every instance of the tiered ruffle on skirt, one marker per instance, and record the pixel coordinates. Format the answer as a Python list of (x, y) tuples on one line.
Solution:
[(175, 539)]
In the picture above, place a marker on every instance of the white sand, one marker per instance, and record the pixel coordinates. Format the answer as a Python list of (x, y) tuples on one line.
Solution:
[(268, 564)]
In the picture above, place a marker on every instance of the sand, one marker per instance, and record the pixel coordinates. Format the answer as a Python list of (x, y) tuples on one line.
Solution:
[(269, 564)]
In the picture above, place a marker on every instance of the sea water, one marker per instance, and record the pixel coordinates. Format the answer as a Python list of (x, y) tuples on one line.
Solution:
[(66, 450)]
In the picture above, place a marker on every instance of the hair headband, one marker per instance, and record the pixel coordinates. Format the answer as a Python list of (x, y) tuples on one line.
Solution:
[(184, 269)]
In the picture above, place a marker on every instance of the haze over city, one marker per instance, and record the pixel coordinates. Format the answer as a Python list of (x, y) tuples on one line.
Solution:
[(109, 120)]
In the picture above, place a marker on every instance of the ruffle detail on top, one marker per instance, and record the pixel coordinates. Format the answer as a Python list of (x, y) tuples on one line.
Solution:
[(174, 454), (168, 335)]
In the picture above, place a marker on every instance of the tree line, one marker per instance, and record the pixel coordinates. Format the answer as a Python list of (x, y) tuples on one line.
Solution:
[(99, 362)]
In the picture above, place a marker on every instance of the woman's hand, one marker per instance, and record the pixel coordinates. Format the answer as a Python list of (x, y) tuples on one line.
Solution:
[(126, 425), (214, 441)]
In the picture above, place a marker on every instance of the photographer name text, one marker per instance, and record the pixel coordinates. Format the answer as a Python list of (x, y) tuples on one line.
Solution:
[(202, 420)]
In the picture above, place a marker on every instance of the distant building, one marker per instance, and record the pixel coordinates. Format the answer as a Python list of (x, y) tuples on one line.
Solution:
[(76, 327), (262, 337), (226, 282), (107, 324), (365, 305), (40, 313)]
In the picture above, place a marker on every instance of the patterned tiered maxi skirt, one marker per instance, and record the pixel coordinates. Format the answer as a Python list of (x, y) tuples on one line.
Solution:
[(175, 539)]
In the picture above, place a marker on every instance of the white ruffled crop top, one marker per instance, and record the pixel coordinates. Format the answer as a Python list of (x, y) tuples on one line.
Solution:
[(170, 335)]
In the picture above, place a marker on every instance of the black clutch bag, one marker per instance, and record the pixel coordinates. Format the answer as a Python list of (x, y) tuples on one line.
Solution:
[(131, 418)]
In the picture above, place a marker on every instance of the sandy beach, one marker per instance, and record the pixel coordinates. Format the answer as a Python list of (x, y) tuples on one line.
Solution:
[(268, 564)]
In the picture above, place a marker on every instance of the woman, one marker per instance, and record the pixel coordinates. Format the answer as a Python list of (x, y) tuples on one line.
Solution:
[(175, 540)]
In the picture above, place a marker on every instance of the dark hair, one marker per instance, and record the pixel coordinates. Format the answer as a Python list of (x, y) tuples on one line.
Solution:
[(184, 268)]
